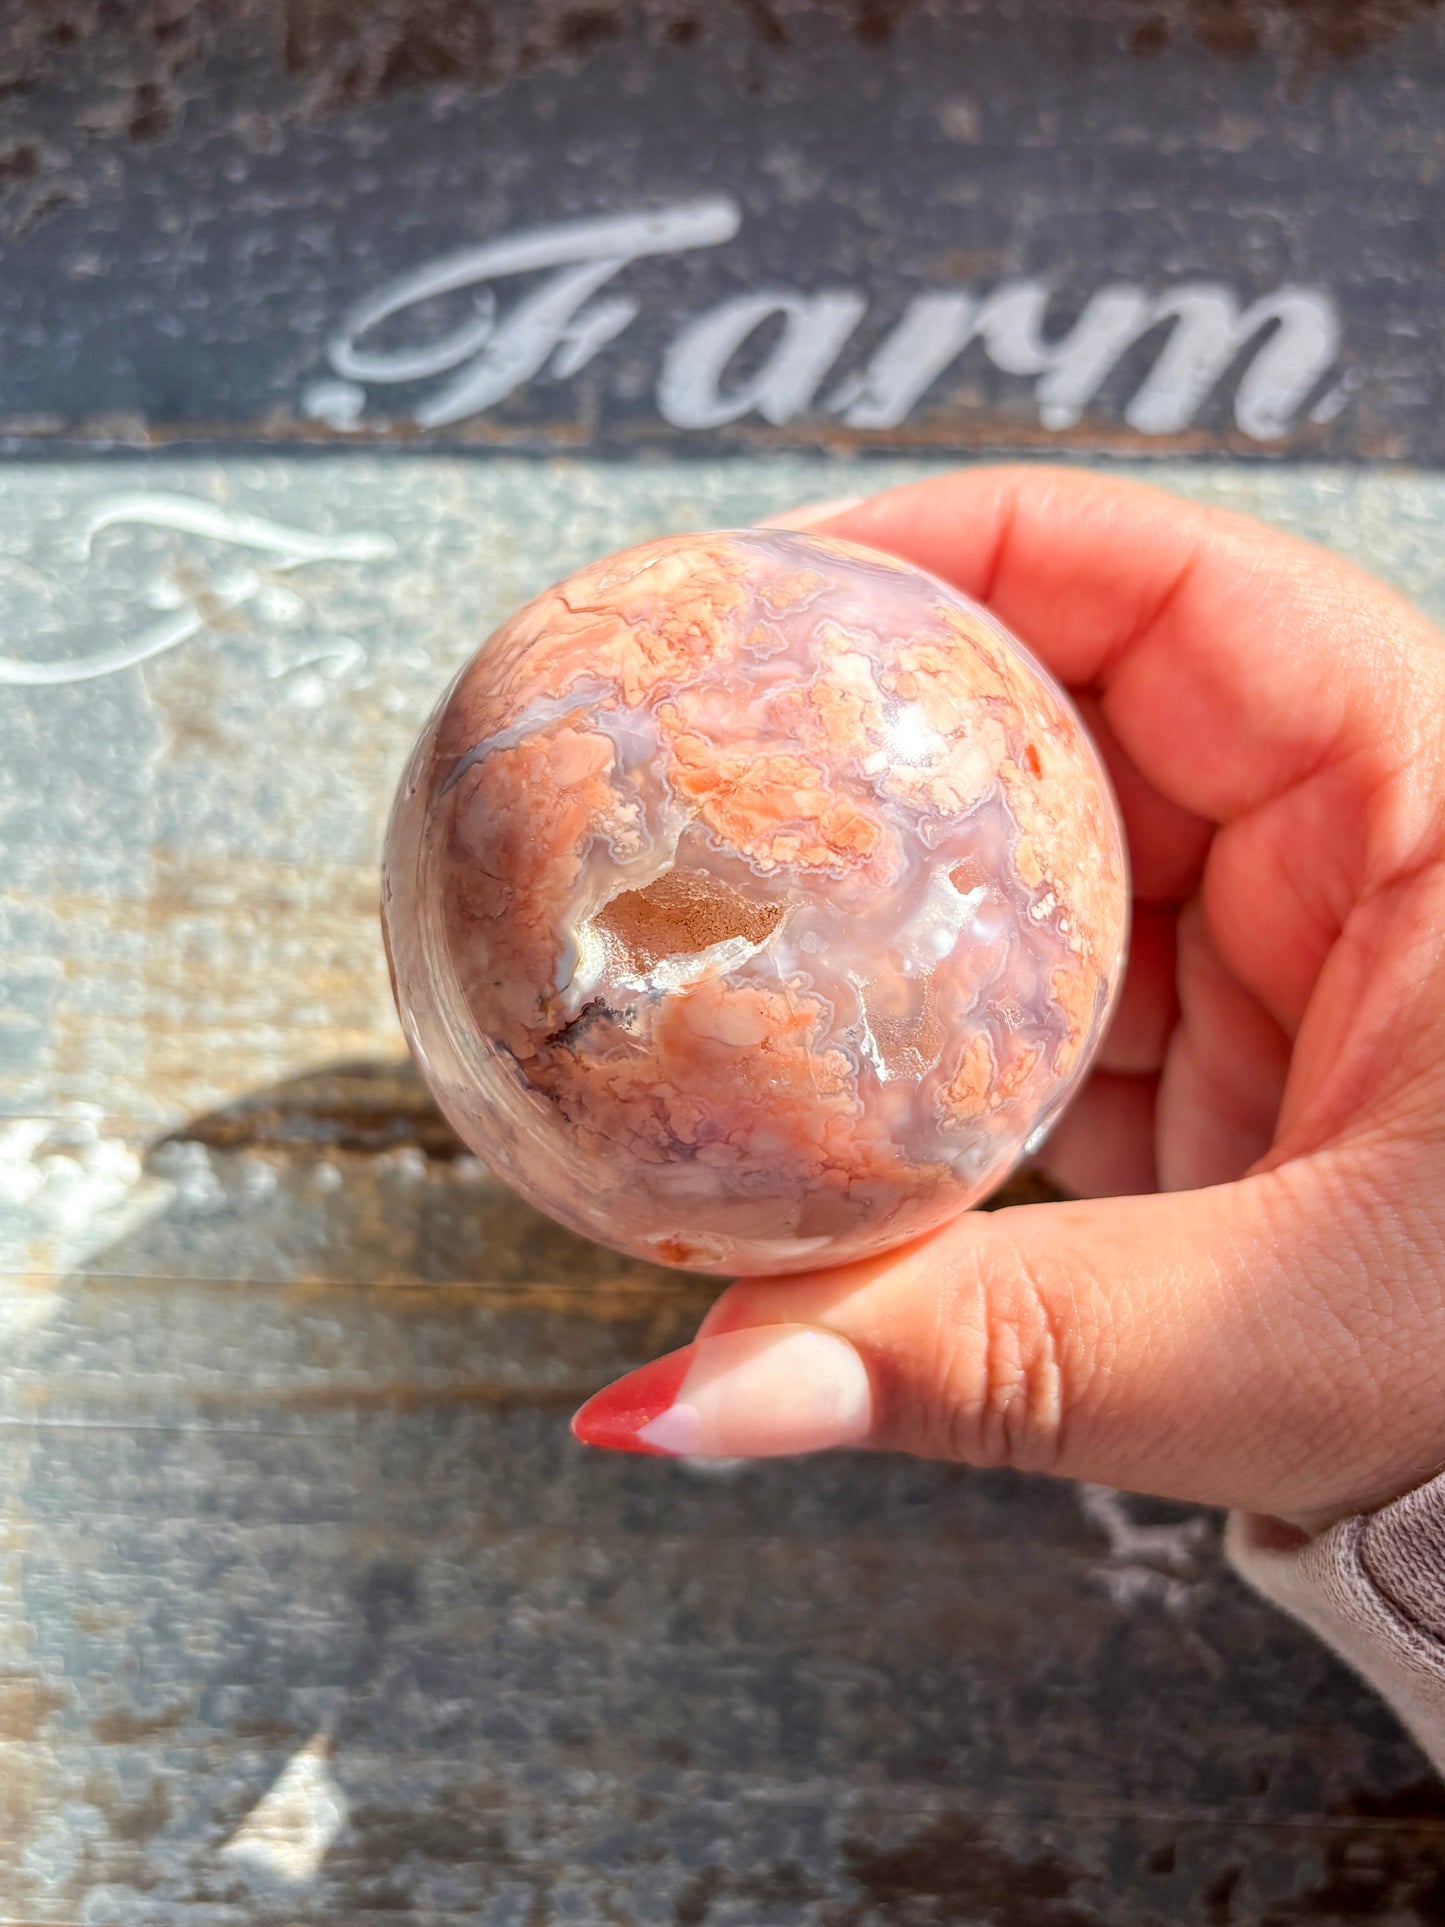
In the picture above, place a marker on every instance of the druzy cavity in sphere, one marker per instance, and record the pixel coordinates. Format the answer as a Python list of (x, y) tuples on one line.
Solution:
[(753, 900)]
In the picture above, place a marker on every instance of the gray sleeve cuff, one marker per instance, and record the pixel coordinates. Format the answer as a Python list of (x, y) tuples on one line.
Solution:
[(1373, 1588)]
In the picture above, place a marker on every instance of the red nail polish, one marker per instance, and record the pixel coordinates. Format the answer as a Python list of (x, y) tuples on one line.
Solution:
[(614, 1417)]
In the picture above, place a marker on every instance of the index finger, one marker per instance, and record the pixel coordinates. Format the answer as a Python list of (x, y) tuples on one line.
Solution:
[(1233, 660)]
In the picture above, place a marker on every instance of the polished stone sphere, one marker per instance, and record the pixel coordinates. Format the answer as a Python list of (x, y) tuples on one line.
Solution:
[(754, 901)]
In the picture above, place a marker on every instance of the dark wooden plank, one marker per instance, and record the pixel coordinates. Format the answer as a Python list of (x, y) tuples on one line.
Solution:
[(201, 205)]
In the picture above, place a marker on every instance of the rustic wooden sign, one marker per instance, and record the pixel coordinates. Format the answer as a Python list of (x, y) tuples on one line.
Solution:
[(310, 1609), (1148, 225)]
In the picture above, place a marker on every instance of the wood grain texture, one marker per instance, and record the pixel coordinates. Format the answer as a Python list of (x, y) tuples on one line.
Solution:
[(290, 1506), (199, 197)]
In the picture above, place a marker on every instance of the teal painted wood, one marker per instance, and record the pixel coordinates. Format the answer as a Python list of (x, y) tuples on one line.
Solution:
[(310, 1610)]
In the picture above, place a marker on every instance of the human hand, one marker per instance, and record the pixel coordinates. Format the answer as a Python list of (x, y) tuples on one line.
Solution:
[(1245, 1305)]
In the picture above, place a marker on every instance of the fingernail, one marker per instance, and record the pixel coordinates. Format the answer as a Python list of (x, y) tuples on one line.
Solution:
[(764, 1393), (810, 514)]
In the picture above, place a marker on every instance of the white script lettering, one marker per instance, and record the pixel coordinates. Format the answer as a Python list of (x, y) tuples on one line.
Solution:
[(1284, 343), (496, 357), (815, 327), (288, 548)]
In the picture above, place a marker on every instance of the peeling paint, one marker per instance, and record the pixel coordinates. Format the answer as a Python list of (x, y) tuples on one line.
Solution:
[(1158, 1562), (283, 1441), (289, 1831)]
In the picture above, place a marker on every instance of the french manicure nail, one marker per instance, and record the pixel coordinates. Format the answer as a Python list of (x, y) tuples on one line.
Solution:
[(767, 1392)]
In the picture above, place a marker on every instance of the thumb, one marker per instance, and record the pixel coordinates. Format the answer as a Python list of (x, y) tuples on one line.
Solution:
[(1173, 1343)]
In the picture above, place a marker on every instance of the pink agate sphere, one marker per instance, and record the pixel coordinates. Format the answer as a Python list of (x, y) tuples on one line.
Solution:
[(754, 901)]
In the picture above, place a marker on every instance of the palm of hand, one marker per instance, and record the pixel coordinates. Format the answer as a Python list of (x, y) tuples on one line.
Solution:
[(1246, 1313)]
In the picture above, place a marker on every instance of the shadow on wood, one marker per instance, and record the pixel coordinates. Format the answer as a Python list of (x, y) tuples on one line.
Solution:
[(315, 1611)]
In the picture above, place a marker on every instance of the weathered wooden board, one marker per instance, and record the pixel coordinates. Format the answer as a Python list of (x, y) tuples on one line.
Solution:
[(310, 1610), (1170, 225)]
